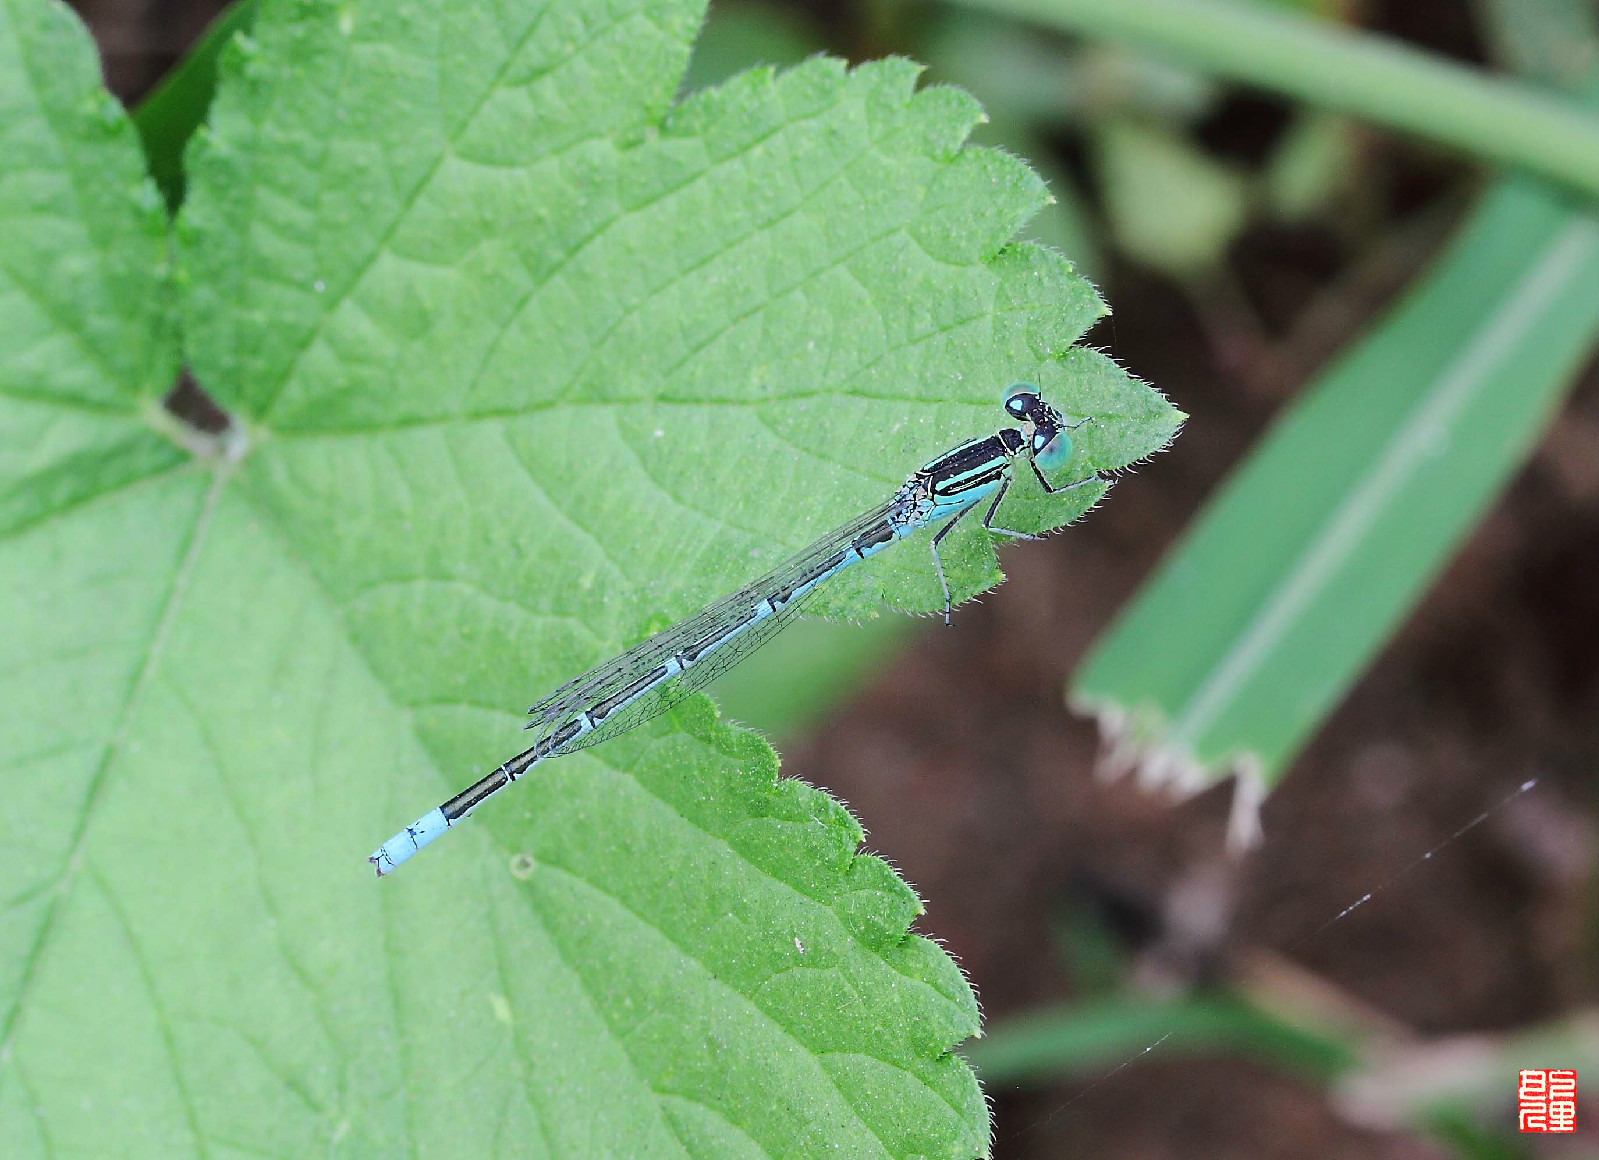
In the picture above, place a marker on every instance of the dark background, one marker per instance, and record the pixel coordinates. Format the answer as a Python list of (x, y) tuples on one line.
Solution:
[(975, 782)]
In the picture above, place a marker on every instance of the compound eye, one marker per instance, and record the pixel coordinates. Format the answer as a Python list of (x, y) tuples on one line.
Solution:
[(1019, 399), (1051, 449)]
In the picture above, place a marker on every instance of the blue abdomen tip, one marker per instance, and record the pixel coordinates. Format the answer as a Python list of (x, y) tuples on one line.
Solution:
[(387, 857)]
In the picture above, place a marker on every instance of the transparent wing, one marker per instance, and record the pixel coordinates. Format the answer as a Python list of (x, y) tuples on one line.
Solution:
[(669, 692), (618, 676)]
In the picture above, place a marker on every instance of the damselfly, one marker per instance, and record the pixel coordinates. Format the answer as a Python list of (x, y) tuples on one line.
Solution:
[(652, 676)]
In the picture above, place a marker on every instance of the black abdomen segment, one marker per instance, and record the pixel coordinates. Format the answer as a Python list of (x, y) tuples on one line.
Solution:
[(479, 791), (622, 696)]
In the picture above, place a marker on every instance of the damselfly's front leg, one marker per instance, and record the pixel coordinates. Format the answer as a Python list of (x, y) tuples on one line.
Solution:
[(999, 495), (1045, 484)]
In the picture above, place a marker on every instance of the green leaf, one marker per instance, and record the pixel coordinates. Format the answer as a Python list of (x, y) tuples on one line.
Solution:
[(522, 360), (97, 509), (1292, 578), (1021, 82), (175, 108), (85, 302)]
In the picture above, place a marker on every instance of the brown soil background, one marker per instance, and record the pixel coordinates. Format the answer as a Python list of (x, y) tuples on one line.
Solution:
[(976, 783)]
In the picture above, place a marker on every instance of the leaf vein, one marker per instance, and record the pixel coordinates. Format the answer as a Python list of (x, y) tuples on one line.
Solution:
[(64, 882), (409, 200)]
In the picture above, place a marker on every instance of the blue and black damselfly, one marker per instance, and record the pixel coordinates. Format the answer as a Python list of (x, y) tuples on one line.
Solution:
[(654, 675)]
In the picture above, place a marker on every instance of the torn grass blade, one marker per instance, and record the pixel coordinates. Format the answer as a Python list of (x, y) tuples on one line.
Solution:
[(1313, 552)]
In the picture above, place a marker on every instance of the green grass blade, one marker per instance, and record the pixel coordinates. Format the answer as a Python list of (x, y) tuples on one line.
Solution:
[(1291, 579), (170, 113), (1369, 76), (1088, 1039)]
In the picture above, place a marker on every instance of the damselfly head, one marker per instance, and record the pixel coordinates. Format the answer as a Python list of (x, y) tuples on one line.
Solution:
[(1020, 399), (1023, 401), (1049, 445)]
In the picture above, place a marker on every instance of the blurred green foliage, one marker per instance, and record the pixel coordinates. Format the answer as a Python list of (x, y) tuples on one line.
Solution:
[(745, 33), (1170, 205)]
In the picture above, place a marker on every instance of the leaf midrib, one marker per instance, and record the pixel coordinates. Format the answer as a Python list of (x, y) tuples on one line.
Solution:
[(73, 863)]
